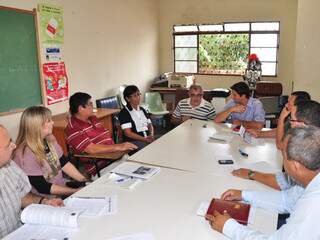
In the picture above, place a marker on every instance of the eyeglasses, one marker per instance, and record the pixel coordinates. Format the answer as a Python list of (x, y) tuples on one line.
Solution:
[(296, 121), (138, 94), (196, 95), (89, 104)]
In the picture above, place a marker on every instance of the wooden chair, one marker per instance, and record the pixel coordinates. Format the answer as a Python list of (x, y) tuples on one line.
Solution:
[(93, 163)]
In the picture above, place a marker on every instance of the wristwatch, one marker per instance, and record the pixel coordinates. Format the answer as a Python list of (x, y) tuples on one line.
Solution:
[(251, 174)]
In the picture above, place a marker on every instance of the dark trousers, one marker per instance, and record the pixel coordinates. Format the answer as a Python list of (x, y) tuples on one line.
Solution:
[(282, 219)]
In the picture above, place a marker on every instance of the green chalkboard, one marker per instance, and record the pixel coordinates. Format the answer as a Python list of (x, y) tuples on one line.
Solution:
[(19, 69)]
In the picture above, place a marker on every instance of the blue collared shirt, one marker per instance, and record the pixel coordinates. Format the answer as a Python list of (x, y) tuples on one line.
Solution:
[(284, 181), (254, 111), (302, 204)]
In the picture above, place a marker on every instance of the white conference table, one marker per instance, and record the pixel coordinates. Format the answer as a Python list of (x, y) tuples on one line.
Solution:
[(188, 147), (166, 206)]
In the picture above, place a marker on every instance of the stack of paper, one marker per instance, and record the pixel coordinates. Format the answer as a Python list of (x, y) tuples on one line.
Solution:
[(136, 170), (93, 206), (46, 222)]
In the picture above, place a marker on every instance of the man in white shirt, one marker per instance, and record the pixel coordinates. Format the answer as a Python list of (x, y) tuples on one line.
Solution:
[(193, 107), (301, 161), (14, 188)]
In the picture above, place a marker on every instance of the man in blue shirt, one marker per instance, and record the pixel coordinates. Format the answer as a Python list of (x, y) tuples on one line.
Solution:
[(242, 109), (304, 113), (301, 161)]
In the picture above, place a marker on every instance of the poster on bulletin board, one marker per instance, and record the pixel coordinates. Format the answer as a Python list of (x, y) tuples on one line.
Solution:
[(51, 23), (56, 82)]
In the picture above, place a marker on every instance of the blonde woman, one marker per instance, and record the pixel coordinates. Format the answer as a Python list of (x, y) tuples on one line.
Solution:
[(40, 156)]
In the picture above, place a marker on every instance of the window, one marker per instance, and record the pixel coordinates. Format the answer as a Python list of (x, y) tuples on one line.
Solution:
[(224, 48)]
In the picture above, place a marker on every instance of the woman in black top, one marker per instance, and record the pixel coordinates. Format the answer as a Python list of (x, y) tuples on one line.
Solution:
[(134, 120)]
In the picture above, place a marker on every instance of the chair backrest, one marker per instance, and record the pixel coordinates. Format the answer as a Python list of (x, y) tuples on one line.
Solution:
[(121, 90), (218, 103), (266, 89), (270, 104), (153, 101), (108, 102)]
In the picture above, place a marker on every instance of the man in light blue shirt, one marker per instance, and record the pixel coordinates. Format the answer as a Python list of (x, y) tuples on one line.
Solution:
[(243, 109), (302, 163), (304, 113)]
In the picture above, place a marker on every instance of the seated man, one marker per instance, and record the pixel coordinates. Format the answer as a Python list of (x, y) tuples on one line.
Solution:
[(305, 113), (14, 188), (242, 109), (193, 107), (85, 133), (283, 120), (301, 161)]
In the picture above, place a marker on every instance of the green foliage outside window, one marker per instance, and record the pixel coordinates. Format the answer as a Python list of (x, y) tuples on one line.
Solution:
[(223, 53)]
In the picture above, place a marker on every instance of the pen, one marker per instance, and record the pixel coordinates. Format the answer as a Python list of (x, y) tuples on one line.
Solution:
[(122, 179), (218, 139), (244, 154), (90, 197)]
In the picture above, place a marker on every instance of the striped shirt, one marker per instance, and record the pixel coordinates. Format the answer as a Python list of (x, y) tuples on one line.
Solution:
[(81, 134), (203, 112), (14, 185)]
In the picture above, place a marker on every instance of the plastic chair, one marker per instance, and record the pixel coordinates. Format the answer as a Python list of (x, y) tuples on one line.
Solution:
[(154, 104), (121, 90), (218, 103)]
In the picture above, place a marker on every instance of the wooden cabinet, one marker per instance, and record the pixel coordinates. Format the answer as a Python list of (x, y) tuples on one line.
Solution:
[(61, 120)]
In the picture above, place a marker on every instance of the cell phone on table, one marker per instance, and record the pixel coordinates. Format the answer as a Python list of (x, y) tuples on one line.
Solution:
[(225, 161)]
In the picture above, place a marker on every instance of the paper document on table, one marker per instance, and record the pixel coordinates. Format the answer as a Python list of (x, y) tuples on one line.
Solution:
[(93, 206), (137, 236), (221, 137), (46, 222), (248, 138), (121, 181), (49, 215), (203, 208), (136, 170), (32, 232)]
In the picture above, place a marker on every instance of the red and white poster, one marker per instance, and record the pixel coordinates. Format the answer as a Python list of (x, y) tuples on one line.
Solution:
[(56, 82)]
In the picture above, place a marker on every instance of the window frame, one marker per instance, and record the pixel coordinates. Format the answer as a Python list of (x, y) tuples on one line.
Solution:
[(250, 31)]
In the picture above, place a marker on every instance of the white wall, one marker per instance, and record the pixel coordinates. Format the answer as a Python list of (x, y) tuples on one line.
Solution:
[(216, 11), (107, 43), (307, 57)]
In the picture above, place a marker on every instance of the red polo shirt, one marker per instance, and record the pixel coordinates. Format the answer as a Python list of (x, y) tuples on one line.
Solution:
[(80, 134)]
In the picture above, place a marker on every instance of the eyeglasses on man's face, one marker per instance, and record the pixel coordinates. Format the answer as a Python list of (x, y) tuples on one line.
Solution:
[(137, 94), (199, 95), (296, 121), (89, 104)]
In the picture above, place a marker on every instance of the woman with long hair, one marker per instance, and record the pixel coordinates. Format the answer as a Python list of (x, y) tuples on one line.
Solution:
[(41, 157)]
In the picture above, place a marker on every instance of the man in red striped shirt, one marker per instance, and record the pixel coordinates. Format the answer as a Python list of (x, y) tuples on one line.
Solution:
[(85, 133)]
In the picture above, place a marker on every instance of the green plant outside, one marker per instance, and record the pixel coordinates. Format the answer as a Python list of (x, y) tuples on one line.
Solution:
[(223, 53)]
